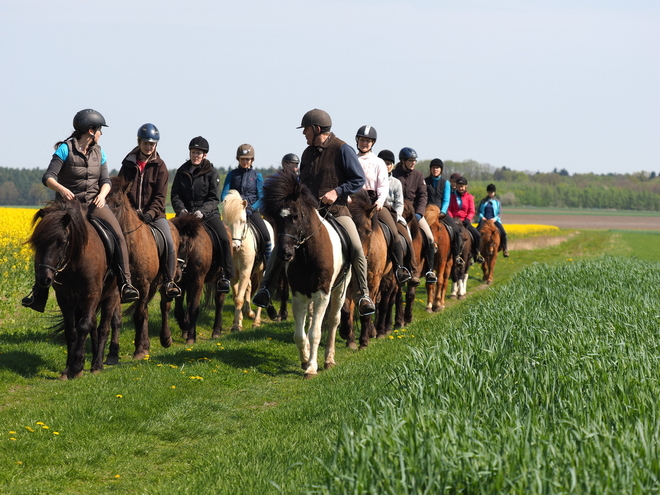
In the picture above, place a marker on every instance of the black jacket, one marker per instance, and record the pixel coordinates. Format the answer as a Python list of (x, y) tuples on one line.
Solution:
[(195, 190)]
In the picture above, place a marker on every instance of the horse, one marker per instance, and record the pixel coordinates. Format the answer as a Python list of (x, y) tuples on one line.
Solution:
[(443, 260), (248, 267), (404, 314), (374, 244), (459, 274), (316, 267), (490, 245), (146, 273), (70, 255), (198, 271)]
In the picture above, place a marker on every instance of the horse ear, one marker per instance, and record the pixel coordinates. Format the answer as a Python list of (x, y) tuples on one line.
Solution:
[(66, 220), (244, 203), (374, 209)]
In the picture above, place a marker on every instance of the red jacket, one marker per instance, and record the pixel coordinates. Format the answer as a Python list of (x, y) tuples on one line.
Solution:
[(463, 211)]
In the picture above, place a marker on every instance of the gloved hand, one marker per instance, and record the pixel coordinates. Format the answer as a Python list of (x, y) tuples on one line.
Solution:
[(199, 214), (466, 223), (249, 211), (182, 212), (418, 216), (145, 217)]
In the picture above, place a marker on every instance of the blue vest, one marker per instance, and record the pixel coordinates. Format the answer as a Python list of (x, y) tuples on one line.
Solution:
[(244, 180)]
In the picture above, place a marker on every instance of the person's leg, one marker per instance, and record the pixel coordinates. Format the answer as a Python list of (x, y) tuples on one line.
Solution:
[(127, 292), (476, 244), (171, 289), (430, 276), (503, 239), (359, 264), (224, 256), (268, 283), (261, 225), (456, 240), (401, 273)]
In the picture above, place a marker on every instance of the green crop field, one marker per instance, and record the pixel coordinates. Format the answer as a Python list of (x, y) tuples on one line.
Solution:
[(544, 382)]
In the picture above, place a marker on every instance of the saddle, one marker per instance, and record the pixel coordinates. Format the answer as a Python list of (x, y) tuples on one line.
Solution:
[(345, 246), (161, 246), (215, 242), (259, 239), (109, 240)]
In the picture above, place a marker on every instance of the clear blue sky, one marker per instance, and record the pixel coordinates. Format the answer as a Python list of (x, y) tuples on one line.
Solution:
[(527, 84)]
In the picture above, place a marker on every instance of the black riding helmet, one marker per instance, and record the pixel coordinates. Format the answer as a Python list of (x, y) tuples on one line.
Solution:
[(386, 155), (87, 119), (199, 143), (366, 131), (291, 158), (148, 133), (491, 188), (436, 162)]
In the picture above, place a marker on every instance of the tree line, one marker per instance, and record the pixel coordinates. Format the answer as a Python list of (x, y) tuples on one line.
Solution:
[(557, 189)]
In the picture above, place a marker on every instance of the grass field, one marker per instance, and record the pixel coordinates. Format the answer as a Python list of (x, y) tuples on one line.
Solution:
[(545, 382)]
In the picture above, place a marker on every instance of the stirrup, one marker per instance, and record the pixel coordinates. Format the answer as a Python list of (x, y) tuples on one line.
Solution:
[(431, 277), (402, 275), (223, 285), (172, 290), (459, 261), (129, 293), (366, 306), (262, 298)]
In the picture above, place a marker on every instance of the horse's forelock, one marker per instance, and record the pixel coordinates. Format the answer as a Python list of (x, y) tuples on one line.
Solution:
[(232, 206), (54, 220), (283, 188), (189, 226)]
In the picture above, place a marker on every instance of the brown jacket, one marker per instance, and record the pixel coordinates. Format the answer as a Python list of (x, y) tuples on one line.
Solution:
[(148, 191), (414, 187)]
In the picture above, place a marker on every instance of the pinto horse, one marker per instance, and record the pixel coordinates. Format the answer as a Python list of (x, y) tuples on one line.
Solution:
[(365, 215), (443, 261), (70, 255), (490, 245), (198, 271), (404, 314), (248, 267), (317, 270), (146, 273), (459, 274)]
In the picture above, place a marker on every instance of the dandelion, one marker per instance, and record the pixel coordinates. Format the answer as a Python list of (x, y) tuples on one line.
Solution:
[(12, 438), (45, 427), (245, 371), (56, 433), (28, 428), (12, 433), (117, 476), (173, 386), (40, 423), (391, 336), (119, 396), (19, 462)]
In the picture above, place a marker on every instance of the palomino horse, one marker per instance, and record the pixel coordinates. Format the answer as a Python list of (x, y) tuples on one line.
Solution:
[(490, 245), (198, 270), (443, 260), (315, 266), (146, 273), (404, 316), (365, 215), (70, 255), (248, 268), (459, 274)]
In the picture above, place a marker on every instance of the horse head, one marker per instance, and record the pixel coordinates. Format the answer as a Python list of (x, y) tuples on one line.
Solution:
[(234, 213), (118, 201)]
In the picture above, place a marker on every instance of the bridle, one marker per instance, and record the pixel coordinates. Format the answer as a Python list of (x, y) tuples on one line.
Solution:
[(300, 241), (61, 264)]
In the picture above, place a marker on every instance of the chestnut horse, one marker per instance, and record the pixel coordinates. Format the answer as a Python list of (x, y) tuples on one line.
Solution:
[(248, 268), (146, 273), (70, 255), (459, 274), (490, 245), (404, 314), (443, 260), (198, 270), (315, 266), (365, 215)]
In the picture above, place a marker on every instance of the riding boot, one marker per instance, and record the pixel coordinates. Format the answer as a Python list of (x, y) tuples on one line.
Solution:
[(268, 249), (268, 282), (36, 299), (430, 276), (504, 246), (222, 285), (402, 274), (127, 292), (457, 248)]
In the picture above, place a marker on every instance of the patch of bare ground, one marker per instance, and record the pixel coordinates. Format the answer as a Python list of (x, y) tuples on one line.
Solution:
[(537, 242)]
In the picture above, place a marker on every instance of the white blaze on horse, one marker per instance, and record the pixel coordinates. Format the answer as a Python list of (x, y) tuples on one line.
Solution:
[(248, 268), (317, 270)]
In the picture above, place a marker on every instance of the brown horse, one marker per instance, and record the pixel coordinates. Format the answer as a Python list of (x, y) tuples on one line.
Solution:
[(490, 245), (70, 255), (443, 260), (365, 215), (199, 270), (146, 273), (315, 266), (459, 274), (404, 314)]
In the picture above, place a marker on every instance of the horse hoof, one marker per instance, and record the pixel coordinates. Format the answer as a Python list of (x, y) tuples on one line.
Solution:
[(216, 334), (190, 341), (64, 377), (362, 347), (308, 376), (351, 345), (139, 356), (111, 360), (429, 310), (184, 335), (96, 372), (460, 298), (166, 342), (236, 328), (304, 365), (329, 366)]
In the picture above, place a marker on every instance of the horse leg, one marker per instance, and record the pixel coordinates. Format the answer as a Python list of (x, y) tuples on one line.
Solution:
[(217, 323), (300, 306), (320, 304), (100, 335), (181, 315), (165, 331), (70, 337), (346, 323), (431, 294), (193, 298), (284, 297), (239, 300), (410, 300), (331, 322), (115, 325), (399, 310), (141, 323), (85, 325)]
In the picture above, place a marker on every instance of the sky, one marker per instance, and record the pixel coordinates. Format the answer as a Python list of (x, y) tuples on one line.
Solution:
[(528, 84)]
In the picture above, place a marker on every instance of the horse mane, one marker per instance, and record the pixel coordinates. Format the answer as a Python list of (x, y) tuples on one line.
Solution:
[(56, 216), (118, 198), (189, 226), (432, 213), (488, 229), (409, 216), (361, 205), (232, 206), (283, 188)]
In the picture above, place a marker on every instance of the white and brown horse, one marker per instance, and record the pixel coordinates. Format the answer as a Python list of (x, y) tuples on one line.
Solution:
[(248, 267), (316, 268)]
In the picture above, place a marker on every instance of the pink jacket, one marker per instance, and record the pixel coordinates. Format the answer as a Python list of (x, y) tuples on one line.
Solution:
[(464, 210)]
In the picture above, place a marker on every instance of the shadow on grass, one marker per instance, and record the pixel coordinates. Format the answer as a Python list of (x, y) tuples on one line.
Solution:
[(25, 364)]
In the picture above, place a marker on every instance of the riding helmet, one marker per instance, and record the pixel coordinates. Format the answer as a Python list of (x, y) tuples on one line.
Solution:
[(406, 154), (386, 155), (88, 118), (148, 133), (461, 181), (317, 117), (245, 151), (366, 131), (436, 162), (291, 158), (199, 143), (491, 188)]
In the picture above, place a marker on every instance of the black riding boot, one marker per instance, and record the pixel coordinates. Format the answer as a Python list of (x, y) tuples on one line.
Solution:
[(37, 299), (401, 273), (127, 292), (430, 276), (457, 248), (504, 246)]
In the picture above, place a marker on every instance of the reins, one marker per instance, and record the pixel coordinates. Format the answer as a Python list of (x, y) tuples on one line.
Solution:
[(300, 242), (61, 264)]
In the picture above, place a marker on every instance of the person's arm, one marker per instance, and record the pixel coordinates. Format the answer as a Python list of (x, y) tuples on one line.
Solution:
[(445, 197), (421, 196), (260, 192), (353, 170), (175, 195), (397, 195), (469, 199), (226, 186), (382, 184), (155, 205), (211, 200)]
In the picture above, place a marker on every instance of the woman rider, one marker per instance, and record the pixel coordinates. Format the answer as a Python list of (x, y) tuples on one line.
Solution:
[(414, 190), (461, 208), (490, 208), (147, 173), (195, 191), (250, 184), (78, 170)]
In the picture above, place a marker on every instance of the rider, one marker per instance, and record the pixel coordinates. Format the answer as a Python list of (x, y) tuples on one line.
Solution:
[(291, 162), (490, 208), (249, 183), (461, 208), (414, 190), (195, 191), (375, 173), (78, 171), (395, 202), (330, 168), (148, 176), (439, 192)]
